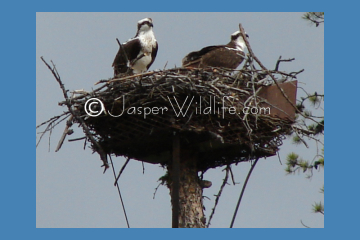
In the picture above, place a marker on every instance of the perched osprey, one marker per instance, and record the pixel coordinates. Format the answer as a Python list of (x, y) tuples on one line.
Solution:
[(140, 50), (226, 56)]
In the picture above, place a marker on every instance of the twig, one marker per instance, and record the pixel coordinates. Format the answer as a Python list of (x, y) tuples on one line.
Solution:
[(76, 139), (232, 175), (51, 125), (118, 188), (304, 224), (156, 189), (102, 154), (242, 31), (65, 133), (129, 77), (53, 119), (123, 51), (165, 65), (279, 158), (242, 192), (282, 60), (219, 194), (121, 170)]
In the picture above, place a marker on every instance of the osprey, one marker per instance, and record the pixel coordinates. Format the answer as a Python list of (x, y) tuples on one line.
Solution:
[(226, 56), (140, 50)]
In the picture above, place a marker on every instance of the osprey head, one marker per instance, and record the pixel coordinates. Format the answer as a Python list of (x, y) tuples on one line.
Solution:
[(238, 40), (145, 25)]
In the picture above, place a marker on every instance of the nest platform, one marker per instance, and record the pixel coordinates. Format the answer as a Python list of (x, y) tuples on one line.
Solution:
[(139, 116)]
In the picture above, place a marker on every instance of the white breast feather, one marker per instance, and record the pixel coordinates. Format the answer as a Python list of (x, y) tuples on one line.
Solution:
[(147, 41)]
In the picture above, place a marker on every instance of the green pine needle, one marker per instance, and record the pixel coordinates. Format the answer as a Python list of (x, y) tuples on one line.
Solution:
[(292, 159), (314, 100), (296, 140), (318, 208), (307, 113)]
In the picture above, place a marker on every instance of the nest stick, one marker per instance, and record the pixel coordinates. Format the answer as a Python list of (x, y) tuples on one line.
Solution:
[(219, 194), (242, 31), (121, 170), (242, 192), (63, 136), (103, 156)]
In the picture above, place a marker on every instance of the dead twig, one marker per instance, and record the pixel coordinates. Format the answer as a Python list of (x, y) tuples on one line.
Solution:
[(282, 60), (121, 170), (103, 156), (242, 191), (219, 194)]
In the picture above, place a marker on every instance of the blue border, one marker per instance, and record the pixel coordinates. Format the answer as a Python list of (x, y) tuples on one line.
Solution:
[(18, 159)]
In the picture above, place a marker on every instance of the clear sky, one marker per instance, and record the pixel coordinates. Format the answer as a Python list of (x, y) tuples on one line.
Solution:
[(72, 191)]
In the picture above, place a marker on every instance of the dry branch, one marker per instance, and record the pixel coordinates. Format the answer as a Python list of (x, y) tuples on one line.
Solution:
[(74, 113)]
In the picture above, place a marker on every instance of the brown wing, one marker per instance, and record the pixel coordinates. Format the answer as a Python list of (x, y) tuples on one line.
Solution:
[(132, 49), (192, 60), (222, 57), (153, 55)]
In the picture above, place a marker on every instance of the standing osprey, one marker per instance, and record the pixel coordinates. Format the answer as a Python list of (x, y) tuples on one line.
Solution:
[(140, 50), (226, 56)]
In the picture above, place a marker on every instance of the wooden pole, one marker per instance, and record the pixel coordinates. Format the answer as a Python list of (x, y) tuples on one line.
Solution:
[(175, 180), (185, 189)]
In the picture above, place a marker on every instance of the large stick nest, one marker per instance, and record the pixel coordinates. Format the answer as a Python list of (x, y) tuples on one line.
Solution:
[(218, 137), (213, 126)]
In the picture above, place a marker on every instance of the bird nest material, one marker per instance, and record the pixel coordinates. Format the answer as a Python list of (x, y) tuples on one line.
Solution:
[(211, 110)]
